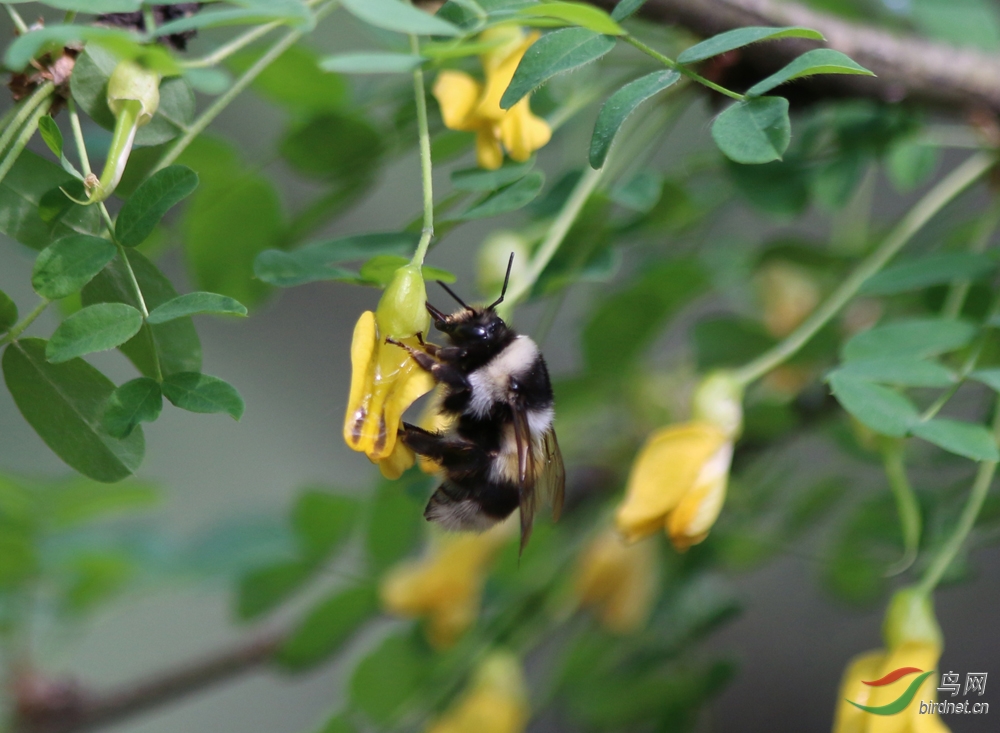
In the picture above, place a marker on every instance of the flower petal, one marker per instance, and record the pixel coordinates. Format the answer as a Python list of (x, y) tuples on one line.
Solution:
[(522, 133), (848, 718), (697, 511), (363, 346), (458, 94), (667, 468), (489, 154)]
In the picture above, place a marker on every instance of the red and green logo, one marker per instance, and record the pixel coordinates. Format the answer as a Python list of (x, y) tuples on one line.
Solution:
[(900, 703)]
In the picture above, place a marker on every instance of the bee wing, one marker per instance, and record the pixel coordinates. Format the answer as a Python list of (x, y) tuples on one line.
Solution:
[(552, 479), (526, 472)]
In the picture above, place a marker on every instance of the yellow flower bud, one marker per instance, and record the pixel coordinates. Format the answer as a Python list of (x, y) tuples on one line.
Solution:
[(445, 586), (496, 701), (494, 255), (619, 581)]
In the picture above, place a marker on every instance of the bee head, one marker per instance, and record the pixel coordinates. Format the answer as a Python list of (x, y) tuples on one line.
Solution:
[(473, 326)]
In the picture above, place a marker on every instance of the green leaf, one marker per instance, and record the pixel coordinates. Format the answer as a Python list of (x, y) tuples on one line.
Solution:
[(21, 192), (880, 408), (94, 328), (327, 627), (817, 61), (96, 577), (989, 377), (266, 588), (379, 270), (740, 37), (910, 163), (934, 269), (899, 371), (916, 338), (640, 193), (154, 198), (191, 304), (73, 503), (292, 12), (619, 106), (92, 6), (395, 522), (372, 63), (65, 266), (63, 403), (8, 312), (198, 392), (961, 438), (336, 146), (509, 198), (315, 262), (393, 15), (578, 14), (134, 402), (48, 128), (624, 324), (385, 679), (626, 8), (728, 341), (175, 344), (122, 44), (478, 179), (89, 85), (322, 521), (754, 131), (554, 53)]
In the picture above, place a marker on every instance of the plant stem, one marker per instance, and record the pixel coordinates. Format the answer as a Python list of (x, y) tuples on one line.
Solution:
[(980, 488), (19, 328), (671, 64), (553, 239), (245, 79), (932, 202), (16, 19), (228, 49), (980, 240), (906, 503), (22, 140), (420, 93), (81, 147), (25, 111)]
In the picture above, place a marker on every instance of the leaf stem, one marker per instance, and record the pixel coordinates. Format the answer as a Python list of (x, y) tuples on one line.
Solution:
[(553, 239), (427, 182), (932, 202), (25, 111), (241, 83), (907, 507), (680, 68), (980, 488), (22, 140), (16, 19), (81, 146), (19, 328), (228, 49)]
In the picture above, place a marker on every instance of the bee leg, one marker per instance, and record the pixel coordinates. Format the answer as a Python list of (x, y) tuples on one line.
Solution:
[(431, 445), (442, 372)]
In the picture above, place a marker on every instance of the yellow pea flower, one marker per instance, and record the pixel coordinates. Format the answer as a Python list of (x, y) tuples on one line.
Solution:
[(678, 481), (619, 581), (445, 585), (914, 644), (496, 701), (468, 105), (385, 379)]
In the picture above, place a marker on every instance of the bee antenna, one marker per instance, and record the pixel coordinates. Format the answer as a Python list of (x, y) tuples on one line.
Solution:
[(506, 279), (452, 294)]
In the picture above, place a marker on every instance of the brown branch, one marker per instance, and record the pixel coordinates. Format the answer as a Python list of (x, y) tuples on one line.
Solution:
[(907, 67), (47, 706)]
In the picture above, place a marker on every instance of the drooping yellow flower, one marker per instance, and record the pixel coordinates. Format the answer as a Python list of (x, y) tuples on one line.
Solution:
[(445, 585), (678, 481), (619, 581), (496, 701), (914, 644), (468, 105), (385, 379)]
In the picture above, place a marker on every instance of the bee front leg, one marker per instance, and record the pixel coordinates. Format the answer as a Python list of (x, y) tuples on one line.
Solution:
[(441, 371)]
